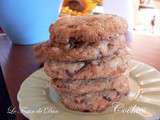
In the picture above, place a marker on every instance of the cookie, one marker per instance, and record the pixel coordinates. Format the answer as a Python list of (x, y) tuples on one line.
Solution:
[(87, 60), (92, 28), (120, 84), (101, 68), (80, 51), (92, 102)]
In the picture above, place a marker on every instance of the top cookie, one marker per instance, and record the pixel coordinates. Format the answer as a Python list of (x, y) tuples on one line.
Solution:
[(87, 28)]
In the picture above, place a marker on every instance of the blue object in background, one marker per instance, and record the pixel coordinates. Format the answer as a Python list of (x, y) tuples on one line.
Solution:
[(27, 21)]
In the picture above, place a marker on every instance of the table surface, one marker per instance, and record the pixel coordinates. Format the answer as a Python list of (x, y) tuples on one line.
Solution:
[(18, 62)]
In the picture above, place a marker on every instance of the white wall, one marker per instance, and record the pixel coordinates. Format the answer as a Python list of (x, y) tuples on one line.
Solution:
[(122, 8)]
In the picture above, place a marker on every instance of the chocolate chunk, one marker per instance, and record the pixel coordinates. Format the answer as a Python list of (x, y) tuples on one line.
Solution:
[(68, 73), (108, 98)]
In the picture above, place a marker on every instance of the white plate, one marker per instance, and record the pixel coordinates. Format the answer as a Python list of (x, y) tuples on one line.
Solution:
[(38, 101)]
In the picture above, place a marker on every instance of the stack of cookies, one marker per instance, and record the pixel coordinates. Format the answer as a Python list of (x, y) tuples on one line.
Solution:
[(87, 60)]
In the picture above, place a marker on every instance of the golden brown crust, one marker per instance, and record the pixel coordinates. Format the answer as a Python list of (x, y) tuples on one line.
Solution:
[(47, 51), (120, 84), (101, 68), (87, 60), (87, 28), (91, 102)]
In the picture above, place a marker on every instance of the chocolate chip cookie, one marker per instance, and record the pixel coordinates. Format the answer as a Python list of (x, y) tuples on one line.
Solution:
[(87, 60), (80, 51), (85, 70), (119, 84), (91, 102), (93, 28)]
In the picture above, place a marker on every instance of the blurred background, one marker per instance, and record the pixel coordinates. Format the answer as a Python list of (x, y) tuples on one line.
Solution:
[(147, 17), (144, 21), (146, 13)]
